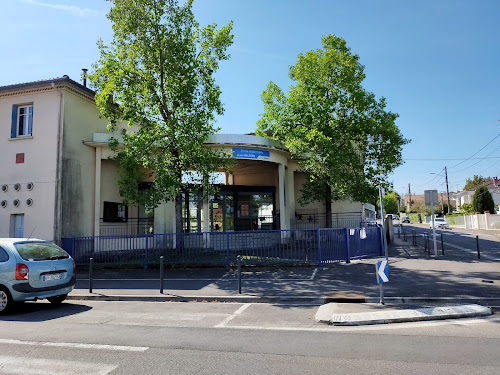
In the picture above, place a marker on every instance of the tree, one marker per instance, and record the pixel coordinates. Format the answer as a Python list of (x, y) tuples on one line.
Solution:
[(341, 135), (483, 200), (391, 203), (158, 73), (476, 181)]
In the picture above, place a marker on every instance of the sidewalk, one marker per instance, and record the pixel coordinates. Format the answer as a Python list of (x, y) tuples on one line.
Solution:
[(414, 276), (420, 287)]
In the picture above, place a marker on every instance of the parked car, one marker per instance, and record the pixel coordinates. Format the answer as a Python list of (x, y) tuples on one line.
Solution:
[(394, 216), (406, 219), (372, 223), (440, 223), (32, 269)]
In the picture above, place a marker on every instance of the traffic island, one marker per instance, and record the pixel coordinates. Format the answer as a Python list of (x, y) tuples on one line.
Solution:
[(353, 315)]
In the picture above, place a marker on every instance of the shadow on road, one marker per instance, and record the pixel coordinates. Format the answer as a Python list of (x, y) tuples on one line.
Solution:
[(43, 311)]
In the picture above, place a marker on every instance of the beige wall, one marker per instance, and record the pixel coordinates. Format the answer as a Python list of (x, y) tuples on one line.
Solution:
[(39, 167), (81, 120)]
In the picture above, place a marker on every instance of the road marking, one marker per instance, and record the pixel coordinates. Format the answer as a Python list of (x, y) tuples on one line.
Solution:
[(314, 274), (20, 365), (233, 315), (380, 327), (76, 345), (472, 251)]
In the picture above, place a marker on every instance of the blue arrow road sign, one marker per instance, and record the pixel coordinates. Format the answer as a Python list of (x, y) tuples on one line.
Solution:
[(382, 271)]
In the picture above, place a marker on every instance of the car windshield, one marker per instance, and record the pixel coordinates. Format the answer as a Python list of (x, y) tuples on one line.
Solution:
[(439, 219), (37, 251)]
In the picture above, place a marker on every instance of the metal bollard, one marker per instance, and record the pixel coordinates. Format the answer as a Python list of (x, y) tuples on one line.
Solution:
[(161, 274), (414, 242), (91, 275), (239, 274), (477, 247), (442, 244), (399, 231), (404, 234)]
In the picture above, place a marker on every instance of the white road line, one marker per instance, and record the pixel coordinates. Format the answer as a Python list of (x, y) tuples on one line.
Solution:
[(472, 251), (76, 345), (314, 273), (38, 366), (379, 327), (233, 315)]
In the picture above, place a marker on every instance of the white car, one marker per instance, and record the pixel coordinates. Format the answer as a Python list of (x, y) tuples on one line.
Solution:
[(440, 223)]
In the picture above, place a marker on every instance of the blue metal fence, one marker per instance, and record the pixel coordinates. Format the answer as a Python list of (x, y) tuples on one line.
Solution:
[(311, 246)]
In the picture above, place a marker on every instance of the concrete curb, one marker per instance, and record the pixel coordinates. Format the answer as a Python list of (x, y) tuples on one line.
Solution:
[(312, 300), (223, 299), (327, 314)]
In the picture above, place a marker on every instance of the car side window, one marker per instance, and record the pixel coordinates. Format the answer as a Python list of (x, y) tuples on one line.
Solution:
[(4, 257)]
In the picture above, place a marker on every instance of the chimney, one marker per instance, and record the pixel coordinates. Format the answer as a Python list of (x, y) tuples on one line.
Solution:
[(84, 77)]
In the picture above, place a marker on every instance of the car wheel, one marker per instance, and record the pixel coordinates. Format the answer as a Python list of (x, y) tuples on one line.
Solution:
[(57, 299), (6, 301)]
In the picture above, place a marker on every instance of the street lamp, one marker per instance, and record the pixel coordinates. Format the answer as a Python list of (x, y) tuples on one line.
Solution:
[(447, 190)]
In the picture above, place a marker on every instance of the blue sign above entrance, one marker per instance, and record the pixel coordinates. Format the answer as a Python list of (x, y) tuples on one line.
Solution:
[(248, 153)]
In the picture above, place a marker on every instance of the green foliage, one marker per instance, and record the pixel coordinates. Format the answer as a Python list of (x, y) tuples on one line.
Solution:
[(159, 70), (340, 133), (391, 203), (483, 201), (476, 181), (467, 208)]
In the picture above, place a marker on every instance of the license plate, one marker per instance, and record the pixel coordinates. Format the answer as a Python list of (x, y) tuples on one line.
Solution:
[(56, 276)]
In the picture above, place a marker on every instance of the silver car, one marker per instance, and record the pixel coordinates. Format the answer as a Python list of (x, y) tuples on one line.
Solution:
[(32, 269), (440, 223)]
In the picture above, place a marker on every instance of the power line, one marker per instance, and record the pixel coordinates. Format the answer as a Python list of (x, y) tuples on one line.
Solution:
[(498, 135), (438, 159)]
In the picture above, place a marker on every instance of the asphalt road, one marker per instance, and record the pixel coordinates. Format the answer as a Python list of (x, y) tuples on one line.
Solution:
[(459, 242), (205, 338)]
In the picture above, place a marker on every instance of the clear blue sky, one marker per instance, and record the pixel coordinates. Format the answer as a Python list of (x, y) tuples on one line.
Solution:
[(436, 62)]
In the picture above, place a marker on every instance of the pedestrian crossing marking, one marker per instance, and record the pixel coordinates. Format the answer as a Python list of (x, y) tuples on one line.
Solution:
[(41, 366)]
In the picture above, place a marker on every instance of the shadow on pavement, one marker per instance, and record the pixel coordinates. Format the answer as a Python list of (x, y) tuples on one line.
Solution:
[(43, 311)]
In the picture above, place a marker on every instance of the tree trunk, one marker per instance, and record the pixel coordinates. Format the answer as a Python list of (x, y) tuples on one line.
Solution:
[(328, 206)]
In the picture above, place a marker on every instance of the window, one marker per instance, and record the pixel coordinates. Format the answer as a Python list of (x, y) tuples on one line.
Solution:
[(22, 121), (4, 257), (114, 212)]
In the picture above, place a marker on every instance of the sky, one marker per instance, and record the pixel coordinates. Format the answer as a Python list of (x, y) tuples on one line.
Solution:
[(435, 61)]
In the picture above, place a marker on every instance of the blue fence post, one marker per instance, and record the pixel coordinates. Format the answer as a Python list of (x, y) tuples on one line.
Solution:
[(228, 261), (347, 246), (146, 260), (319, 246)]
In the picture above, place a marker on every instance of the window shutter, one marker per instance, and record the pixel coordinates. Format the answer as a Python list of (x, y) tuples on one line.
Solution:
[(13, 127), (30, 121)]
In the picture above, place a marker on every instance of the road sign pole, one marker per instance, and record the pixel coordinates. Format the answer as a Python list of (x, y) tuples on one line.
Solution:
[(433, 228), (383, 223), (382, 273)]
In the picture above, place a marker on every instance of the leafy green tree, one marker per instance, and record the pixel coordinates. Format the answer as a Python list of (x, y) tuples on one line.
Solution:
[(159, 71), (467, 208), (391, 203), (476, 181), (342, 136), (483, 201)]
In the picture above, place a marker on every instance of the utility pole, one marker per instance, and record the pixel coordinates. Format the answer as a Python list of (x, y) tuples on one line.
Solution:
[(447, 190), (409, 202), (442, 206)]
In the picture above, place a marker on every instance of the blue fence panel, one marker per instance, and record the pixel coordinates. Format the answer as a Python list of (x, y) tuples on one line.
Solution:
[(313, 246), (333, 245)]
